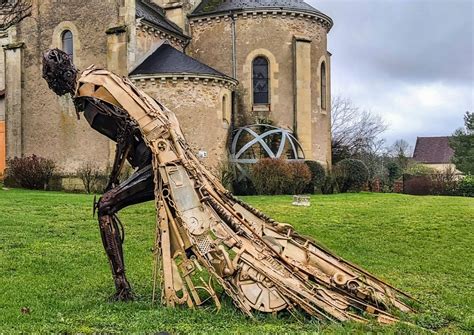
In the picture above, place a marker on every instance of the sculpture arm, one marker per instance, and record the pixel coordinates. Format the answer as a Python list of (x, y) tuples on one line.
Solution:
[(121, 151)]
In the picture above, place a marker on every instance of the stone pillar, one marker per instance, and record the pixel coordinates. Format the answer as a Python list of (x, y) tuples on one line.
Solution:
[(127, 19), (174, 10), (175, 13), (2, 148), (3, 40), (328, 111), (302, 91), (117, 50), (13, 107), (127, 12)]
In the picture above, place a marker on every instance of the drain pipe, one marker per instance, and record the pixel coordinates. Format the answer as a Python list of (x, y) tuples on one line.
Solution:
[(295, 91), (234, 74), (234, 61)]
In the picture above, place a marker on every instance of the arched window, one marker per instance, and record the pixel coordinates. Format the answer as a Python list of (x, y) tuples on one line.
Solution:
[(323, 85), (67, 43), (260, 80), (224, 108)]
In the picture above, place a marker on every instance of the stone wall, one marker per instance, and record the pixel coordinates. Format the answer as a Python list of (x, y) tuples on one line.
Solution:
[(271, 35), (212, 43), (48, 125), (202, 107), (148, 38), (177, 11)]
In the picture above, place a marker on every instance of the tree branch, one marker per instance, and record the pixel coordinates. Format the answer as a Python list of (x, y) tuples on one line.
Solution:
[(13, 12)]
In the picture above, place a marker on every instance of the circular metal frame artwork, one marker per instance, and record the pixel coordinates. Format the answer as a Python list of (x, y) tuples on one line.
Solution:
[(257, 141)]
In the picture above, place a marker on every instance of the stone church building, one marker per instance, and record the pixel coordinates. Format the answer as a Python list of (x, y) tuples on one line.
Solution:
[(217, 64)]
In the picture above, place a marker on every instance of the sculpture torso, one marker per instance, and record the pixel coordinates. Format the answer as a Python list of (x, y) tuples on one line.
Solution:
[(113, 123)]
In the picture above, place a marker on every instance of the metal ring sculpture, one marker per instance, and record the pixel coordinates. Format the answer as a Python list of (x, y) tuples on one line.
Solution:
[(253, 142)]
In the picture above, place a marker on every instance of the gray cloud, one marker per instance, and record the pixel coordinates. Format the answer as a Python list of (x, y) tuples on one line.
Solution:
[(409, 60)]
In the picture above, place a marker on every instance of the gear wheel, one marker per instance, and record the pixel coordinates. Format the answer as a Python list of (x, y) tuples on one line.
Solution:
[(259, 292)]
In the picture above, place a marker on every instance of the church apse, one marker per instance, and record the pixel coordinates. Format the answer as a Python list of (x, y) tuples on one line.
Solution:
[(287, 39)]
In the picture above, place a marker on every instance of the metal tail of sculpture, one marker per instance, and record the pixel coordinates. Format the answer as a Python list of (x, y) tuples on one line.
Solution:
[(261, 264)]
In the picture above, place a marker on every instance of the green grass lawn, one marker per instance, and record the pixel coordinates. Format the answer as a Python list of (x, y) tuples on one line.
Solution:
[(53, 264)]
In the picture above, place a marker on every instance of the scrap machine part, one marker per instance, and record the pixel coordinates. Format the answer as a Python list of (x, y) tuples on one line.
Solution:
[(256, 141), (259, 291), (261, 264)]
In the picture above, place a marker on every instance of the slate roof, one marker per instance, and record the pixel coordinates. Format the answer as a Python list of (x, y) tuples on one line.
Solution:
[(154, 14), (215, 6), (433, 150), (167, 59)]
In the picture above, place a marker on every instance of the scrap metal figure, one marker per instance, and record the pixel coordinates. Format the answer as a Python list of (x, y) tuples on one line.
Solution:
[(261, 264)]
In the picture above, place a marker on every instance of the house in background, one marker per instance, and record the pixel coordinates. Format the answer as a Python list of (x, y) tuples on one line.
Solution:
[(434, 152)]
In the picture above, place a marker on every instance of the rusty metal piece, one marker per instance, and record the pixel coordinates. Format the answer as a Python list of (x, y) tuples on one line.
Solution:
[(59, 72), (261, 264), (260, 292)]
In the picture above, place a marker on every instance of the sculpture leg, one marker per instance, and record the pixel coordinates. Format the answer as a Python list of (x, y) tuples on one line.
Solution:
[(112, 242), (138, 188)]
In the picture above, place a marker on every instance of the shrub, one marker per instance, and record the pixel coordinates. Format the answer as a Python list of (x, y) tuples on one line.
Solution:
[(351, 175), (427, 181), (466, 186), (419, 170), (31, 172), (243, 186), (318, 175), (417, 184), (227, 174), (444, 182), (394, 171), (300, 178), (271, 176), (278, 176), (329, 185), (8, 180), (90, 175)]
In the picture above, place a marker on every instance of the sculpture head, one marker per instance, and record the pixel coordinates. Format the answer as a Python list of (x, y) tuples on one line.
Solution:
[(59, 72)]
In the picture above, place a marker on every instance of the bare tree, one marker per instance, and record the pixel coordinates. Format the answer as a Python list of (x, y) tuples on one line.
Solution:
[(13, 11), (89, 174), (354, 131), (401, 151)]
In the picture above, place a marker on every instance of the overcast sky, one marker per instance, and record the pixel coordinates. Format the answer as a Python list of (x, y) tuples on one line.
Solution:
[(411, 61)]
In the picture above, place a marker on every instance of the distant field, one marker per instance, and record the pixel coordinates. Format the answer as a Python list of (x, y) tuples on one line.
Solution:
[(52, 264)]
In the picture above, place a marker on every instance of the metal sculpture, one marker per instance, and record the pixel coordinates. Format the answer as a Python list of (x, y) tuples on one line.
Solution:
[(261, 264), (253, 142)]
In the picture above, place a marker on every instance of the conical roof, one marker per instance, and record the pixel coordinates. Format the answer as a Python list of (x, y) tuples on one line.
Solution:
[(216, 6), (154, 14), (167, 59)]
